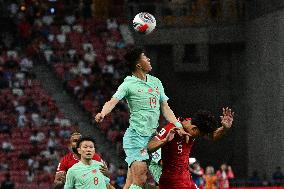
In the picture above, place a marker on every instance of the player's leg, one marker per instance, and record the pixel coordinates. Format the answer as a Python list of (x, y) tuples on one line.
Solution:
[(129, 179), (139, 174), (156, 171), (135, 148), (154, 165)]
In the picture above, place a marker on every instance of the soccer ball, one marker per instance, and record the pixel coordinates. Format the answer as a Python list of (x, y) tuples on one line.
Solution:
[(144, 23)]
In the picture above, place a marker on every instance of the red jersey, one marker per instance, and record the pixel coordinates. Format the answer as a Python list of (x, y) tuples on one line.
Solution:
[(175, 160), (69, 160)]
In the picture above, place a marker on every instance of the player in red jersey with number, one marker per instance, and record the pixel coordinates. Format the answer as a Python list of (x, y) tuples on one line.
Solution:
[(70, 159), (175, 151)]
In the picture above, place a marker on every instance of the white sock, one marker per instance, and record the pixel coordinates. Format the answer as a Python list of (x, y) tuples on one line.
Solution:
[(133, 186)]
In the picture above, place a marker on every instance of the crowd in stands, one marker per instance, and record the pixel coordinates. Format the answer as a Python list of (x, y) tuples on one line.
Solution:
[(33, 131), (87, 55)]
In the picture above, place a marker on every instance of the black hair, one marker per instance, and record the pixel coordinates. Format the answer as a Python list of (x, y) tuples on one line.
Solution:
[(75, 132), (82, 139), (204, 121), (132, 56)]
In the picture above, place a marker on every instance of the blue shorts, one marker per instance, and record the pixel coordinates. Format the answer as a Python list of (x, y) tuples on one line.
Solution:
[(135, 146)]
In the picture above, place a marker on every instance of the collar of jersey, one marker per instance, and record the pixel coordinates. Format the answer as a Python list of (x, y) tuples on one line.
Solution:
[(138, 79)]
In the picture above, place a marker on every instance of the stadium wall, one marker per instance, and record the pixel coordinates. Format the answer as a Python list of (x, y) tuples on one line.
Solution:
[(265, 92)]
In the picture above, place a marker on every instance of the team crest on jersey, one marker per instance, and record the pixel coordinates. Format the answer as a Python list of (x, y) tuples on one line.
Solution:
[(157, 90), (143, 152), (94, 171)]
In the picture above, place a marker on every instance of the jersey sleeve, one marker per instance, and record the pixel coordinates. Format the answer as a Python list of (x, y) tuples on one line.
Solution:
[(97, 157), (70, 180), (121, 91), (62, 166), (163, 96), (164, 131), (107, 180)]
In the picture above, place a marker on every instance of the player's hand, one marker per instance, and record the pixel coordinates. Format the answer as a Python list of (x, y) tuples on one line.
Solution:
[(181, 132), (227, 118), (99, 117), (62, 178), (171, 134), (104, 170), (59, 180)]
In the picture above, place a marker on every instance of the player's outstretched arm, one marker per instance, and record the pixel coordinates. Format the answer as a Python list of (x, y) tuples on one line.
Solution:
[(226, 121), (154, 144), (169, 114), (107, 108), (59, 180)]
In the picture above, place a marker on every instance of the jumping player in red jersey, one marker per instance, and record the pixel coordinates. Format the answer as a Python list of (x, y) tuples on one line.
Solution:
[(175, 151), (70, 159)]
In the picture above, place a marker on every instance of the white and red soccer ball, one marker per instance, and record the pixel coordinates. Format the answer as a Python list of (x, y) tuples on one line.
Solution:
[(144, 23)]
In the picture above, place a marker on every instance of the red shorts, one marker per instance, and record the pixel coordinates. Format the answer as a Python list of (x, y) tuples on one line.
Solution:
[(180, 182)]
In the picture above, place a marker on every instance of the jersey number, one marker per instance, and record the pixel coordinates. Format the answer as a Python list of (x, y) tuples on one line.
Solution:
[(58, 167), (162, 132), (179, 147), (96, 180), (153, 102)]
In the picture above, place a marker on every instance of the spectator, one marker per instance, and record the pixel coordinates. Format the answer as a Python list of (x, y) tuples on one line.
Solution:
[(30, 175), (4, 166), (7, 146), (278, 177), (85, 70), (52, 142), (108, 69), (112, 24), (52, 155), (5, 128), (64, 132), (36, 119), (90, 55), (22, 120), (36, 137), (47, 20), (32, 162), (49, 168), (7, 183), (70, 19), (197, 174), (224, 174), (26, 64), (13, 8), (210, 178), (121, 178)]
